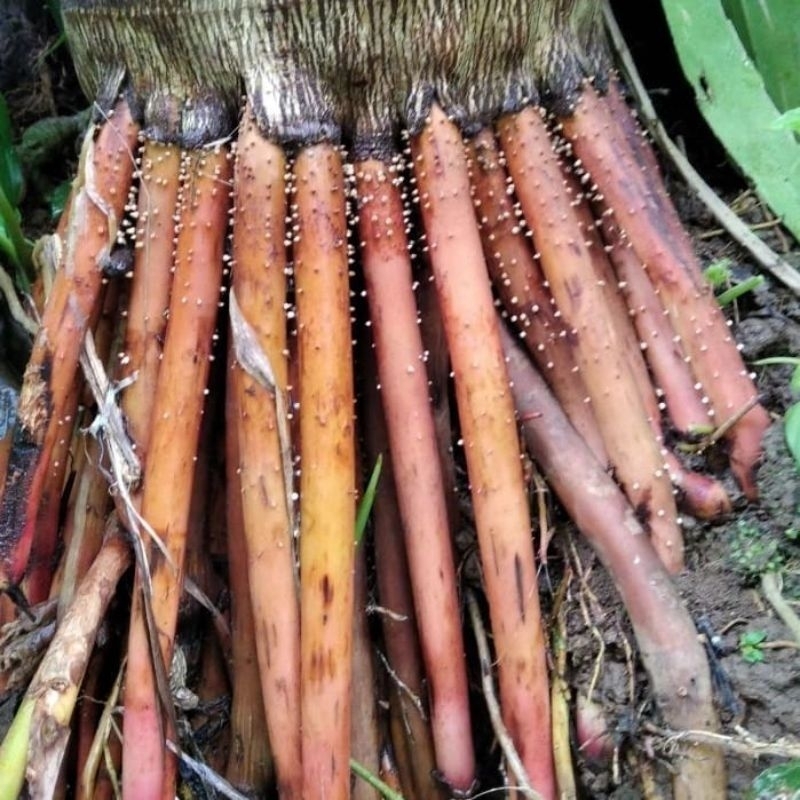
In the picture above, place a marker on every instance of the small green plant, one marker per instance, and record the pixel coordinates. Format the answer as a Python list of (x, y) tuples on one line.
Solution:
[(719, 275), (791, 419), (751, 646), (752, 553), (779, 782)]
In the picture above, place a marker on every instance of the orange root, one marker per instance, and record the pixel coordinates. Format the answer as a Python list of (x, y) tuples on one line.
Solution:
[(417, 468), (549, 200), (650, 222), (48, 396), (169, 471), (491, 445), (258, 332), (327, 459)]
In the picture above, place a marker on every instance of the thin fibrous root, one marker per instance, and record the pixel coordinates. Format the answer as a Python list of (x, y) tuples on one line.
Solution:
[(415, 459), (571, 259), (667, 639), (491, 445), (167, 485), (327, 460), (650, 223), (48, 397), (257, 381)]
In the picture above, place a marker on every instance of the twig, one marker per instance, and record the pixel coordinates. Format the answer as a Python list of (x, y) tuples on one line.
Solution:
[(743, 743), (99, 746), (771, 587), (14, 306), (404, 687), (206, 774), (763, 254), (503, 737), (756, 226)]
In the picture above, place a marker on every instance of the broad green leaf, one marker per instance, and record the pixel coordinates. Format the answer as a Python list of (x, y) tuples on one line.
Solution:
[(770, 32), (791, 429), (752, 638), (780, 781), (731, 95)]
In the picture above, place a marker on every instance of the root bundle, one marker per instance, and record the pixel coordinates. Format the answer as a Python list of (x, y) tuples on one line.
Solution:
[(548, 231)]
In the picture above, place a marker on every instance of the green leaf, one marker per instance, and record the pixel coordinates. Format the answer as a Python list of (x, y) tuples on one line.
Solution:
[(752, 655), (368, 500), (731, 95), (737, 290), (718, 273), (779, 781), (57, 198), (791, 429), (794, 383), (46, 138), (752, 638), (11, 179), (374, 781), (770, 32)]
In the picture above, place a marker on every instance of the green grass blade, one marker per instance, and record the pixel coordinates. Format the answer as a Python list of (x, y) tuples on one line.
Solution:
[(368, 500), (737, 290), (374, 781), (731, 95)]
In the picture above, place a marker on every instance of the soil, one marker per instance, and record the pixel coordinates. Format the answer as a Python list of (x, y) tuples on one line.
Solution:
[(724, 559)]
